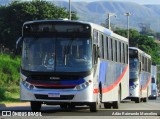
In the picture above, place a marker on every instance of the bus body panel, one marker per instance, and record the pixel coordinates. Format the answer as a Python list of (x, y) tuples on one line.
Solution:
[(154, 90), (78, 95), (134, 89), (113, 76), (109, 74), (140, 74), (145, 84)]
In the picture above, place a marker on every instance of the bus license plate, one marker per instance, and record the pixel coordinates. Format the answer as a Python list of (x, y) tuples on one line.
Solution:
[(51, 95)]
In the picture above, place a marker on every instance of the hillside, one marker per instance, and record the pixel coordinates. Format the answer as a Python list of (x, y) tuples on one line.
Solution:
[(97, 12)]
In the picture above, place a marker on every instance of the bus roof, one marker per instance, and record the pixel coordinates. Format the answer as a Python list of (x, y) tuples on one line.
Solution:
[(93, 25), (140, 51)]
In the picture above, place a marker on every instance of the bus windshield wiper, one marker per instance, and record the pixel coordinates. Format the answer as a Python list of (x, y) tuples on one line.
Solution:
[(67, 50)]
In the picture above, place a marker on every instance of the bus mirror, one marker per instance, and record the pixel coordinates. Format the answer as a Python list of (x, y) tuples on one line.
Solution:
[(19, 46)]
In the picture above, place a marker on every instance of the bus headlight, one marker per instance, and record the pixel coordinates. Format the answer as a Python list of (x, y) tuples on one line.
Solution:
[(28, 85), (31, 87), (78, 87), (82, 86), (87, 83)]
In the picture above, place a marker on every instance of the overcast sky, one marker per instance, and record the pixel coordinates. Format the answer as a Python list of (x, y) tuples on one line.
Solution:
[(137, 1)]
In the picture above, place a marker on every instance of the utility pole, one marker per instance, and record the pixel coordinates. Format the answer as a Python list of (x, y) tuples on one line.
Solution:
[(109, 15), (127, 14), (69, 9)]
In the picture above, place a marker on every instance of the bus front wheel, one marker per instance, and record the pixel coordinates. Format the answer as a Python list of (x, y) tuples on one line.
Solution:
[(94, 106), (35, 106)]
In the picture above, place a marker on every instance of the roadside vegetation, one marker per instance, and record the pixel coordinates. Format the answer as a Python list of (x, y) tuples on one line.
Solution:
[(9, 78), (9, 33)]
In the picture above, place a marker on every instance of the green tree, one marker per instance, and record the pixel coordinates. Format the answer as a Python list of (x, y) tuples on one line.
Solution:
[(143, 42), (16, 13), (133, 34)]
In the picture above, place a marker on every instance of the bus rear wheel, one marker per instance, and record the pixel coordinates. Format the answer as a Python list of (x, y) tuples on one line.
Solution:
[(115, 104), (145, 99), (107, 105), (35, 106), (137, 100)]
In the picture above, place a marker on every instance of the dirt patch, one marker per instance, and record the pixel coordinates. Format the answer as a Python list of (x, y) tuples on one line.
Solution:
[(17, 104)]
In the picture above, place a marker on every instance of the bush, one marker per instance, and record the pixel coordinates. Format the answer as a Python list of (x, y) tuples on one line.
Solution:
[(9, 93), (9, 70), (2, 94), (9, 77)]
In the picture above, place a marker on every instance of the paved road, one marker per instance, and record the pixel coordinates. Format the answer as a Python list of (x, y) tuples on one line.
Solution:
[(127, 108)]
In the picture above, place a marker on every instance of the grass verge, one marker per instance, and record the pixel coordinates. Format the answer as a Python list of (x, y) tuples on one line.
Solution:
[(9, 94), (9, 78)]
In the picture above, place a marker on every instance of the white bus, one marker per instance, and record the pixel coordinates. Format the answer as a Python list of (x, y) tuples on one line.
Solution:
[(71, 63), (154, 90), (140, 75)]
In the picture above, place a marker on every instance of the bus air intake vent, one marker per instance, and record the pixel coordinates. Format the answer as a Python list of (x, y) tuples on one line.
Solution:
[(62, 97)]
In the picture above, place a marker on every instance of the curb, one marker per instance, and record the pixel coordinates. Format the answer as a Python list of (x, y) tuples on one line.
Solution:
[(15, 104), (2, 105)]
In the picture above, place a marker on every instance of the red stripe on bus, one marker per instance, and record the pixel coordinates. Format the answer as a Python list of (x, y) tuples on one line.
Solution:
[(144, 88), (51, 85), (104, 90)]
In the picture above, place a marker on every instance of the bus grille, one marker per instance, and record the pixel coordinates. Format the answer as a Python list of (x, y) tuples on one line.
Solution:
[(47, 77), (60, 87), (62, 97)]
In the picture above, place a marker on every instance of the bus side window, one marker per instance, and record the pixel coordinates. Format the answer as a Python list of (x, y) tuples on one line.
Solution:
[(124, 53), (145, 64), (107, 48), (111, 48), (149, 65), (101, 46), (115, 50), (142, 63), (127, 53), (95, 55), (95, 35), (120, 52)]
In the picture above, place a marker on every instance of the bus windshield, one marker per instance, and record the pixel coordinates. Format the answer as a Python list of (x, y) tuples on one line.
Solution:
[(153, 80), (133, 64), (133, 67), (58, 54)]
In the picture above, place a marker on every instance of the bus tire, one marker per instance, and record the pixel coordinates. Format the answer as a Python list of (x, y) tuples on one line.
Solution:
[(94, 106), (115, 104), (145, 99), (107, 105), (35, 106), (137, 100)]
